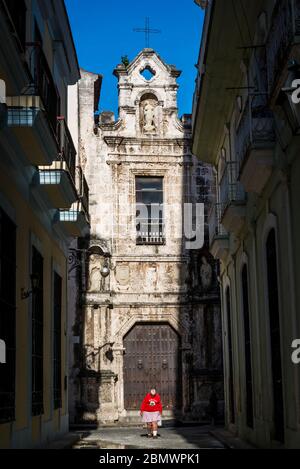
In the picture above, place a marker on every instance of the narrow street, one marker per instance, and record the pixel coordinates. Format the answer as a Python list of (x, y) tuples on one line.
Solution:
[(136, 438)]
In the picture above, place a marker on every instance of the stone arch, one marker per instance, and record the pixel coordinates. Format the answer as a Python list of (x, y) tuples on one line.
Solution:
[(150, 91), (100, 247), (161, 321), (96, 250), (148, 96), (271, 222), (176, 324), (243, 260), (226, 283)]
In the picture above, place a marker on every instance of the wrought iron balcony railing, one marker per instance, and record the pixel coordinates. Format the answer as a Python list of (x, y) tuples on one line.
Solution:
[(22, 110), (283, 34), (231, 190), (150, 232), (216, 229), (66, 146), (83, 189), (75, 220), (43, 83), (71, 215), (255, 129)]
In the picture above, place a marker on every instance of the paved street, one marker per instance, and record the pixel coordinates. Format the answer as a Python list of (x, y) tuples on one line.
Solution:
[(136, 438)]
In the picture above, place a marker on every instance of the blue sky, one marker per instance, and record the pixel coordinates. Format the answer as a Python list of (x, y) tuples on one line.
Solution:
[(102, 32)]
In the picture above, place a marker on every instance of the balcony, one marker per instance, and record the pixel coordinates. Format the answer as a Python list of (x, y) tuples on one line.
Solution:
[(32, 116), (255, 141), (74, 222), (218, 236), (58, 180), (232, 198), (283, 38), (29, 124), (150, 232)]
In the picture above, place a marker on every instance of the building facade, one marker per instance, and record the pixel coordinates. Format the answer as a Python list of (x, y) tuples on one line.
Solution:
[(246, 124), (148, 310), (42, 207)]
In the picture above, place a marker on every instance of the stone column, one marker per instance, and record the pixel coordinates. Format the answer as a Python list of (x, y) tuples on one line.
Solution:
[(107, 412), (118, 352)]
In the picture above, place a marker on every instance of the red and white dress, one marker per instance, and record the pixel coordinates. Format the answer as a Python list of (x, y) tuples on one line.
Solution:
[(151, 408)]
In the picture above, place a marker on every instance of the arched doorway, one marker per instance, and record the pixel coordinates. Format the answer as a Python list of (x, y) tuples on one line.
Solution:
[(152, 359)]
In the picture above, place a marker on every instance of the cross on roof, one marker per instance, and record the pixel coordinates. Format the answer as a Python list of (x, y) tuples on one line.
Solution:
[(147, 30)]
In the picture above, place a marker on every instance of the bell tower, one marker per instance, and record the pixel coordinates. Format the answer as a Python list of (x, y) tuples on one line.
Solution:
[(148, 96)]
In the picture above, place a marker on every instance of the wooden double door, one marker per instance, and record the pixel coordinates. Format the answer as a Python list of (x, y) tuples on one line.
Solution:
[(152, 359)]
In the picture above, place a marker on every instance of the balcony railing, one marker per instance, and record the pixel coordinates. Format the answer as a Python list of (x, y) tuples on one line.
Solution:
[(285, 27), (255, 129), (72, 214), (231, 190), (150, 232), (83, 189), (43, 83), (66, 146), (75, 220), (22, 110), (216, 229)]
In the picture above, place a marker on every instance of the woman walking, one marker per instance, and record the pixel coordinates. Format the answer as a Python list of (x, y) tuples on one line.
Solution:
[(151, 412)]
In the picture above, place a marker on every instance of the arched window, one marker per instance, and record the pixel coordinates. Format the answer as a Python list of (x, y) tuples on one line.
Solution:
[(248, 355), (275, 340), (230, 357)]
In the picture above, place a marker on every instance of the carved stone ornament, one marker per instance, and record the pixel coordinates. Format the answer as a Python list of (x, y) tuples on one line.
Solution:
[(148, 118), (206, 274)]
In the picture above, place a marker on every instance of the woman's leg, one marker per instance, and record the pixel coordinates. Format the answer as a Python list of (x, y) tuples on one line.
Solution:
[(149, 426), (154, 428)]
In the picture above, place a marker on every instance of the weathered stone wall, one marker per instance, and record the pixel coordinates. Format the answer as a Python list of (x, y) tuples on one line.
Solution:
[(147, 283)]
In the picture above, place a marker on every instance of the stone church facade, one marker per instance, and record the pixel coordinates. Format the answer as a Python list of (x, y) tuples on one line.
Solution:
[(144, 309)]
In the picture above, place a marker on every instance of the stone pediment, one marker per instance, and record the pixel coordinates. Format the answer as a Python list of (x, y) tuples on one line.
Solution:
[(148, 59)]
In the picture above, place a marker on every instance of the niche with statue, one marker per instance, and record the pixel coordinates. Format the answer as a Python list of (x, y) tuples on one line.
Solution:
[(149, 114)]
